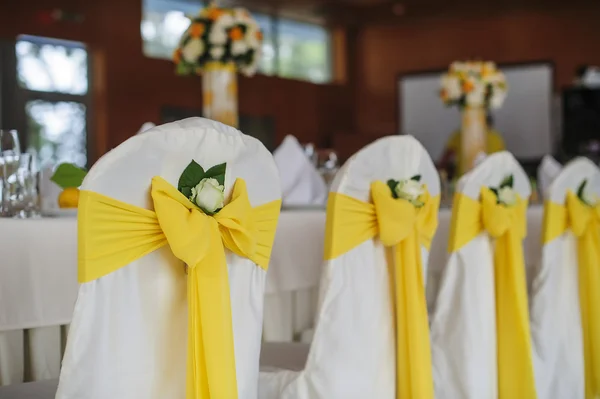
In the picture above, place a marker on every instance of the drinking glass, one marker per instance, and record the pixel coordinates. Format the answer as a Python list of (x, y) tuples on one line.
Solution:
[(10, 150), (26, 201)]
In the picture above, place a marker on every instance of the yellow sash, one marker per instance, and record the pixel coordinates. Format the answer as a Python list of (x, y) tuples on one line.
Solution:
[(508, 226), (584, 222), (398, 224), (112, 234)]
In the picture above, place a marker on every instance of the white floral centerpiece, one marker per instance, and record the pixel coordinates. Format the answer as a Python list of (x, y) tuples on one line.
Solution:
[(473, 84), (218, 43), (411, 190), (474, 87)]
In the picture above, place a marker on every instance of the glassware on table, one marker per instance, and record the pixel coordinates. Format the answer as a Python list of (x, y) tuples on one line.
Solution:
[(10, 151), (328, 165), (28, 176)]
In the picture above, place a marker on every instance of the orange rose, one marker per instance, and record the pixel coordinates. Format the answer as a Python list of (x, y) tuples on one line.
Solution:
[(214, 13), (468, 86), (236, 34), (197, 30), (444, 95), (259, 35)]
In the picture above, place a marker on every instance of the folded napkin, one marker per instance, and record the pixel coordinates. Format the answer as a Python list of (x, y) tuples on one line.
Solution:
[(49, 191), (146, 126), (547, 171), (301, 183)]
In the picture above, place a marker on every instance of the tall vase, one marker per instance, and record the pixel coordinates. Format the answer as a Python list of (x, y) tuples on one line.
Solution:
[(220, 94), (473, 137)]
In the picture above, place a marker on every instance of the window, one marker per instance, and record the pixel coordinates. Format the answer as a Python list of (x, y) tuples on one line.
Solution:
[(53, 85), (290, 49)]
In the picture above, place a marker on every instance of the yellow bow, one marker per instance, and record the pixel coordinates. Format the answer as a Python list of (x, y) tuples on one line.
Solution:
[(584, 222), (398, 224), (113, 234), (508, 226)]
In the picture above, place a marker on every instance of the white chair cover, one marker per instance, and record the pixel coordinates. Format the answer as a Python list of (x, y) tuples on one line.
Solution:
[(547, 171), (145, 127), (352, 354), (463, 327), (128, 334), (555, 314), (301, 183)]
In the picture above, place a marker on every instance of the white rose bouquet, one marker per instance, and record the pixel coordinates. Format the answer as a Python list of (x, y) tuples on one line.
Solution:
[(219, 35), (410, 190), (204, 188), (473, 84), (505, 193)]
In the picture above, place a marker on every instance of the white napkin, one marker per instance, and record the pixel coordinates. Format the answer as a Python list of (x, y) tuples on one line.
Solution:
[(49, 191), (146, 126), (301, 183), (547, 171)]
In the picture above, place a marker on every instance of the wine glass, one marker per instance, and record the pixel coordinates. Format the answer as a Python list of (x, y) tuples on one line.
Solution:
[(10, 151)]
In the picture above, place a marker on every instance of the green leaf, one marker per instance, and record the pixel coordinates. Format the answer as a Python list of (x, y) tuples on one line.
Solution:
[(581, 189), (495, 191), (183, 69), (187, 191), (392, 185), (507, 182), (68, 175), (190, 177), (416, 178), (217, 172)]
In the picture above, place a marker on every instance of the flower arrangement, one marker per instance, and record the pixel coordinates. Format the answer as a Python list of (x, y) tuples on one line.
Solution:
[(473, 84), (505, 193), (410, 190), (205, 189), (225, 36)]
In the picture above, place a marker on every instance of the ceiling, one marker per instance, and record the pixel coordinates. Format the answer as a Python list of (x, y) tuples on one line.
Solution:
[(366, 12)]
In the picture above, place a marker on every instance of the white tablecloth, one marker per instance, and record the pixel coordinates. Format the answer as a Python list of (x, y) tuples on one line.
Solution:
[(38, 288)]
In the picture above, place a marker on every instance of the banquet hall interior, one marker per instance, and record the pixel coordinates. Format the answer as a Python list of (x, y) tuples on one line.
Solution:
[(502, 95)]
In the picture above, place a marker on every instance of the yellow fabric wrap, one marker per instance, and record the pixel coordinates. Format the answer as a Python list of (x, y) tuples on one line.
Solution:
[(508, 226), (400, 225), (584, 222), (112, 234)]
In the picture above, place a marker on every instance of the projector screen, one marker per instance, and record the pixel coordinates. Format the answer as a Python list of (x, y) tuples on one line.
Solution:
[(524, 120)]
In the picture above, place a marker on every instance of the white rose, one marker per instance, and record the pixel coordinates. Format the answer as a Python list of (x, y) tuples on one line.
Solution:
[(217, 52), (249, 70), (451, 84), (497, 98), (239, 47), (409, 190), (218, 35), (507, 196), (208, 195), (192, 50)]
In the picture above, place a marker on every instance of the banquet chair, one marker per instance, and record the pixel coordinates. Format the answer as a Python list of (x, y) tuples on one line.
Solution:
[(481, 306), (352, 354), (559, 299), (141, 312)]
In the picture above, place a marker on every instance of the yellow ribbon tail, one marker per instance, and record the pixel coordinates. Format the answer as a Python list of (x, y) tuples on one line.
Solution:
[(515, 362), (413, 351), (589, 302)]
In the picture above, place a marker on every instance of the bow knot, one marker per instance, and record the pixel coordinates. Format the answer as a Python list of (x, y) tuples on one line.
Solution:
[(581, 215), (397, 218), (191, 233), (498, 219)]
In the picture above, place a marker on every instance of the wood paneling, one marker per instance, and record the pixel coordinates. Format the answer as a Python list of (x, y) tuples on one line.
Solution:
[(135, 87), (567, 36)]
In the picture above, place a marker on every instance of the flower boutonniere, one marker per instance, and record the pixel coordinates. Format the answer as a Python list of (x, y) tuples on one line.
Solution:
[(585, 196), (410, 190), (505, 194), (204, 188)]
